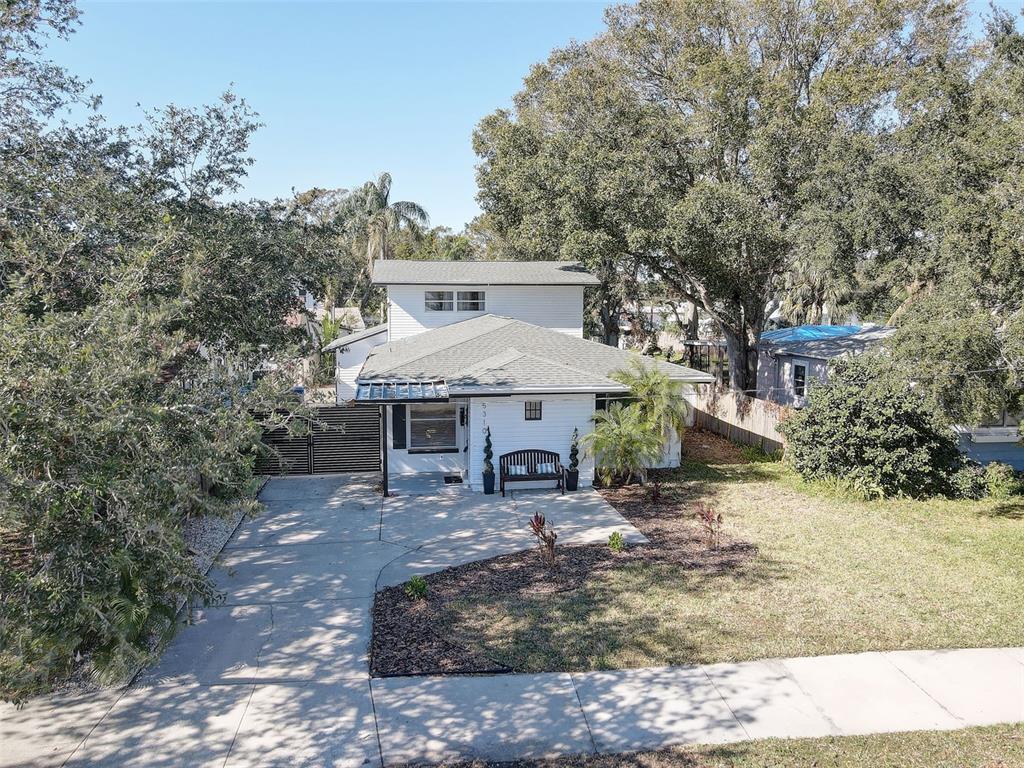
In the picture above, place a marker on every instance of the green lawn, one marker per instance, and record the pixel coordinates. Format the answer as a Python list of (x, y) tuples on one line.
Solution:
[(829, 576), (992, 747)]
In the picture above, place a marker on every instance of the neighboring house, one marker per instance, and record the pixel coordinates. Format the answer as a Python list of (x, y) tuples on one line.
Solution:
[(791, 360), (474, 345)]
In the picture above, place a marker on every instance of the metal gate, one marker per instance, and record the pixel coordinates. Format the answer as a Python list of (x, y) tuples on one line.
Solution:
[(343, 439)]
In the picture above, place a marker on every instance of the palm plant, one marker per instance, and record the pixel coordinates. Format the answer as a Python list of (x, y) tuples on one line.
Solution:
[(623, 443), (656, 396)]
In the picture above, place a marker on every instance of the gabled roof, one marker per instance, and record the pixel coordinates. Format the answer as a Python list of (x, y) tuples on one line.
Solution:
[(408, 272), (492, 354), (828, 347), (352, 338)]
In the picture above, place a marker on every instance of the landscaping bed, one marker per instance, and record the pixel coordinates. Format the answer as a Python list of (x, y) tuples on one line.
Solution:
[(414, 637), (801, 572)]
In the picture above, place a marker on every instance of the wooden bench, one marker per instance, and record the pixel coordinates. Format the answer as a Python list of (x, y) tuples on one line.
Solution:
[(530, 458)]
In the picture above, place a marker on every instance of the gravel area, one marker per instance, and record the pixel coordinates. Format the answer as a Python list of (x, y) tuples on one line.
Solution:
[(206, 536)]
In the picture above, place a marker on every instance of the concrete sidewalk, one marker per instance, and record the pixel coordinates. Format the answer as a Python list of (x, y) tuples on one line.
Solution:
[(524, 716)]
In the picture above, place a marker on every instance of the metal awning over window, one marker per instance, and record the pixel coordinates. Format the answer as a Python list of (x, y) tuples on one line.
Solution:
[(401, 391)]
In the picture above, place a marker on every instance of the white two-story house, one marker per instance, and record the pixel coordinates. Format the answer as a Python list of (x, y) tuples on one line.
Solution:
[(469, 346)]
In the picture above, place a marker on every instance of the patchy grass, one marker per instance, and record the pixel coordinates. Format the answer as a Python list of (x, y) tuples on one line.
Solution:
[(990, 747), (829, 575)]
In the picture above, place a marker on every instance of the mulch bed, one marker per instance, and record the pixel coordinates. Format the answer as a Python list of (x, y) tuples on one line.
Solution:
[(409, 639)]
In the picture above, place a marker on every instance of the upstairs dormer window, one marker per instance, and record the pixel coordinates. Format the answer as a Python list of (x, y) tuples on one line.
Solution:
[(471, 301), (439, 301)]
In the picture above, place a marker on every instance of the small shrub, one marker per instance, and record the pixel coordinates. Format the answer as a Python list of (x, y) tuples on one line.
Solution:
[(968, 481), (1001, 481), (654, 492), (755, 454), (416, 588), (574, 450), (616, 543), (710, 522), (624, 444), (488, 452)]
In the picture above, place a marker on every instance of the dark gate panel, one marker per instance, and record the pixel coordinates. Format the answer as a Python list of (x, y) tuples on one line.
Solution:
[(342, 439), (286, 455), (346, 439)]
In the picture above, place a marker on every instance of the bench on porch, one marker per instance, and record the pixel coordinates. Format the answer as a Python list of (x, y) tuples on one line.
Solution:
[(530, 459)]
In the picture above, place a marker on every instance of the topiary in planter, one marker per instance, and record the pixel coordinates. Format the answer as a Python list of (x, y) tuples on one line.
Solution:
[(488, 462), (572, 474)]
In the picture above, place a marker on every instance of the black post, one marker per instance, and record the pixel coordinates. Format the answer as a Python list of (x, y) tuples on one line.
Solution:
[(384, 448)]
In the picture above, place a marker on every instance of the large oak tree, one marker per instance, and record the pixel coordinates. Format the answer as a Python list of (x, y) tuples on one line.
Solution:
[(695, 140)]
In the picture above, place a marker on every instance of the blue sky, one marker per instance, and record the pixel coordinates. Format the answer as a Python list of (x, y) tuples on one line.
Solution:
[(346, 90)]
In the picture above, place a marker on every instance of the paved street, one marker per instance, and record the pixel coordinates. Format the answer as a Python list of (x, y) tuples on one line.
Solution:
[(278, 675)]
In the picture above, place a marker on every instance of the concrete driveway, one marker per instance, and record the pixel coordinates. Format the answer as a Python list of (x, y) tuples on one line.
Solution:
[(277, 674)]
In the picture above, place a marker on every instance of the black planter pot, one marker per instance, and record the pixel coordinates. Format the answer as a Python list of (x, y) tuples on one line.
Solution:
[(572, 479), (488, 482)]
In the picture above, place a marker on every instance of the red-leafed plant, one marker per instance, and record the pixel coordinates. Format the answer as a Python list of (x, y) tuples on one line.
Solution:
[(545, 538), (710, 521)]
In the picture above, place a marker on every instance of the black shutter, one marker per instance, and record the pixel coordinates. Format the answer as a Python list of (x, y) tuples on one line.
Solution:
[(398, 426)]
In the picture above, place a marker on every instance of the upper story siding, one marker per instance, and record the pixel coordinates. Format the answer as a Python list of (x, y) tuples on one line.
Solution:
[(557, 307)]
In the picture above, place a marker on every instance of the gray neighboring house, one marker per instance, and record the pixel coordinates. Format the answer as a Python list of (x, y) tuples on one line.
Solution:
[(791, 361)]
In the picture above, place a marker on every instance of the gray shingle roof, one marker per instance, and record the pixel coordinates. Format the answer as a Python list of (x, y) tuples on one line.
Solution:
[(406, 272), (352, 338), (492, 353)]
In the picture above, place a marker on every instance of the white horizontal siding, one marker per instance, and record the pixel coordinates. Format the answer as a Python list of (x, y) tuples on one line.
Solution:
[(775, 377), (349, 361), (510, 431), (557, 307)]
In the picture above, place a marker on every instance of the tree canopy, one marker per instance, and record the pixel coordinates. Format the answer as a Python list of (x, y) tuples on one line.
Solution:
[(755, 156), (134, 304)]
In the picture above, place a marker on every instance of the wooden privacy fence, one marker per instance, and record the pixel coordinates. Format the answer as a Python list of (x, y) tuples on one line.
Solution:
[(739, 418)]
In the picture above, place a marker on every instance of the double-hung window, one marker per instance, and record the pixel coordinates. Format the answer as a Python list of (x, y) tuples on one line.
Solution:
[(471, 301), (432, 428), (800, 379), (438, 301)]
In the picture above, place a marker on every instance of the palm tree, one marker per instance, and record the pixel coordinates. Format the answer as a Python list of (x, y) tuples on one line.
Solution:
[(656, 395), (377, 220), (384, 218)]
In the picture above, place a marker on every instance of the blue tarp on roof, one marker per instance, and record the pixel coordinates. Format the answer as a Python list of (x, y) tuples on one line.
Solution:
[(809, 333)]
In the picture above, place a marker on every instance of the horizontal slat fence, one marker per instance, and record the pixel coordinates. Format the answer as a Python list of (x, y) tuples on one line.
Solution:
[(342, 439)]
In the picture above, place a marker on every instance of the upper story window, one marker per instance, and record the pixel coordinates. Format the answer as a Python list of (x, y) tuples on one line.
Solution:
[(439, 301), (471, 301), (533, 410)]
